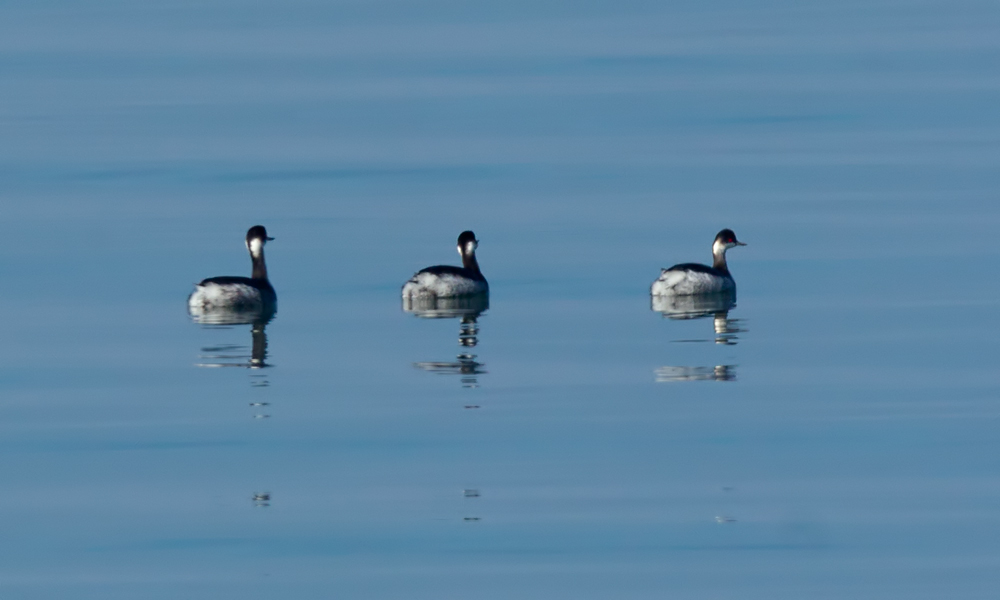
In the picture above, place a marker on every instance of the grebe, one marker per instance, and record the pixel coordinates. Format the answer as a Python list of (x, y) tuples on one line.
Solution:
[(242, 294), (446, 281), (691, 278)]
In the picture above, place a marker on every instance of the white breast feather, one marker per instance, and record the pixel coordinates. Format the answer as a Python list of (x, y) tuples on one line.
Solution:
[(441, 286), (683, 283)]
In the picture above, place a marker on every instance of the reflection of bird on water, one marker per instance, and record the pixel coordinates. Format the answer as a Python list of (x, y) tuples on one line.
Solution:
[(233, 355), (717, 306), (693, 278), (240, 294), (717, 373), (694, 306), (429, 307), (726, 329), (700, 306), (446, 281), (468, 308)]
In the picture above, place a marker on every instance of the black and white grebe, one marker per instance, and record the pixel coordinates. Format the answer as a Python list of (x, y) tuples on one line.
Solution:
[(252, 293), (446, 281), (691, 278)]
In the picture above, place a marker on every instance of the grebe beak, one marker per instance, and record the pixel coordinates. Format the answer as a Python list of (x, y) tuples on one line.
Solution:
[(740, 244), (271, 239)]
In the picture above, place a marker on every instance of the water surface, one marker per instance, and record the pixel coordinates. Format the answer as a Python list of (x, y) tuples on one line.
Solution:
[(833, 434)]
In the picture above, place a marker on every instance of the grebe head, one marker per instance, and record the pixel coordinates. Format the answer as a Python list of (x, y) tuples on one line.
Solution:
[(256, 238), (467, 243), (724, 241)]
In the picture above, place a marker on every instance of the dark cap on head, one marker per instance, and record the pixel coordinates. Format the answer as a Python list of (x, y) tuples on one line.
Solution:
[(466, 237), (726, 236), (257, 232)]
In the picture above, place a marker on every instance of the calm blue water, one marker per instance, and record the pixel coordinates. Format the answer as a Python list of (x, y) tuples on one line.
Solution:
[(836, 438)]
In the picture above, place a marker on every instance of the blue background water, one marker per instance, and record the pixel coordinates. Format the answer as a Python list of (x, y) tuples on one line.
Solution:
[(855, 146)]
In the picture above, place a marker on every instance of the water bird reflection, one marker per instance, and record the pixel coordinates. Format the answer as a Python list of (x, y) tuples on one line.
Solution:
[(716, 373), (430, 307), (234, 355), (700, 306), (716, 306), (466, 308)]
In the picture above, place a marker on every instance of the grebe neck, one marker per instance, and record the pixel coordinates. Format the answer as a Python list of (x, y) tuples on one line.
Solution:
[(719, 261), (259, 268), (469, 262)]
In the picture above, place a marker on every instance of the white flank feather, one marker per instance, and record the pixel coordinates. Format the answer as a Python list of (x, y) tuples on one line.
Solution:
[(685, 283), (211, 296), (441, 286)]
